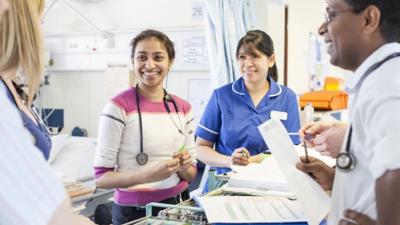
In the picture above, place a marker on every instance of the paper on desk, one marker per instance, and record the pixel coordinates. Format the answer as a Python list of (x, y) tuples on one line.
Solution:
[(256, 192), (314, 200), (261, 176), (250, 209)]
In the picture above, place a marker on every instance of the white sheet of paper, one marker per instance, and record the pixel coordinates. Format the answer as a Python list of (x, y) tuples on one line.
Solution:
[(262, 176), (312, 152), (250, 209), (314, 200)]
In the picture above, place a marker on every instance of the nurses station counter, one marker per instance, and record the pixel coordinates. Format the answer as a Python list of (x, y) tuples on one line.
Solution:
[(230, 205)]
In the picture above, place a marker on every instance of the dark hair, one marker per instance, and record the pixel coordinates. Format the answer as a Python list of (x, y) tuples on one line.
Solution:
[(390, 19), (263, 43), (146, 34)]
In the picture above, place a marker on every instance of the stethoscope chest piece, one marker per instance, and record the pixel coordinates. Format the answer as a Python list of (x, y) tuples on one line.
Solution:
[(142, 158), (346, 161)]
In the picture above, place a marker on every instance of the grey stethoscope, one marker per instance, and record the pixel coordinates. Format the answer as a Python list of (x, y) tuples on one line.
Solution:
[(142, 158), (346, 161)]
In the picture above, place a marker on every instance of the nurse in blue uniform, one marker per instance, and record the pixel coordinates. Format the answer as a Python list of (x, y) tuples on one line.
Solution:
[(227, 133)]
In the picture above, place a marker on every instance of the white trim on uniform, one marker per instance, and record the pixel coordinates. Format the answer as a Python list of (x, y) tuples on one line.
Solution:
[(233, 88), (280, 91), (271, 95), (205, 128)]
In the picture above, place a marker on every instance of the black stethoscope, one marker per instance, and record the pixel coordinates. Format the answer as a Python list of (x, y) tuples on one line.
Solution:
[(142, 158), (346, 161), (23, 96)]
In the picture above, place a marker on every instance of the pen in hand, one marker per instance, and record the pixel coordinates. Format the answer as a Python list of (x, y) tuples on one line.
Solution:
[(306, 152), (181, 149), (179, 154), (240, 156), (309, 136), (306, 156)]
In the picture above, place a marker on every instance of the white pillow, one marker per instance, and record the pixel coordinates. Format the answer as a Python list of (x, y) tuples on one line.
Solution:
[(76, 158)]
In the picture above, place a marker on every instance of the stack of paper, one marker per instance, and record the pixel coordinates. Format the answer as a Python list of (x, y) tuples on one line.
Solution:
[(73, 187), (77, 189), (261, 176)]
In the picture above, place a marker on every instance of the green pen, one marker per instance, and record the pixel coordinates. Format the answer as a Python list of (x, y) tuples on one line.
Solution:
[(180, 153), (181, 148), (265, 155)]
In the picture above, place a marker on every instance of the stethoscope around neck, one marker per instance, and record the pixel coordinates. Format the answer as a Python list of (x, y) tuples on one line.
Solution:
[(142, 158), (346, 161)]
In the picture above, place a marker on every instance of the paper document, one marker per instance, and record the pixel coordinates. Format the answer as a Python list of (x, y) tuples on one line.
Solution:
[(314, 153), (314, 200), (250, 209), (262, 176)]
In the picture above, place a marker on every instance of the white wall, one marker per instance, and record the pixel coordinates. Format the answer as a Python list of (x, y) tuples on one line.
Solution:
[(82, 95), (120, 15), (270, 18), (304, 17)]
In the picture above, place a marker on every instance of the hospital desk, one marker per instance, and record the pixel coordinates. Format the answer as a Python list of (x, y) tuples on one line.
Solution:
[(86, 204)]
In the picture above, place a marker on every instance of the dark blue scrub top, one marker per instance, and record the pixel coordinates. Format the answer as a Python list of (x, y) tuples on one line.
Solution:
[(39, 132), (230, 119)]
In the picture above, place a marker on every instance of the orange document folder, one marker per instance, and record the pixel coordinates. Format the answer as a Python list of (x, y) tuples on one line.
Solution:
[(325, 100)]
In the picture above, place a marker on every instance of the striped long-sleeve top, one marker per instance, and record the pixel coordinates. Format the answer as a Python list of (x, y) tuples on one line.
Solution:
[(119, 143)]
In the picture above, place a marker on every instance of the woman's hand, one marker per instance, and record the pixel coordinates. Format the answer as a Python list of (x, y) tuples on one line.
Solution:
[(258, 158), (185, 159), (240, 157), (187, 171), (164, 169)]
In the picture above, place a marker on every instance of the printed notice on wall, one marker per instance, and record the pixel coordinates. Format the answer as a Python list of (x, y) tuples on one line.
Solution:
[(195, 51)]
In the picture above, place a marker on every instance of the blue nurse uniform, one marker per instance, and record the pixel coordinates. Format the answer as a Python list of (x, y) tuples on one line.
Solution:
[(230, 119)]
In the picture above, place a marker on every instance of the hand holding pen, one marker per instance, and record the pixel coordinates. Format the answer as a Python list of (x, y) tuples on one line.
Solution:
[(320, 172), (326, 137), (307, 160), (185, 159), (240, 157)]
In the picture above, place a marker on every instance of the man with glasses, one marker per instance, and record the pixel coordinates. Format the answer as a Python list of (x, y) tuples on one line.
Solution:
[(362, 36)]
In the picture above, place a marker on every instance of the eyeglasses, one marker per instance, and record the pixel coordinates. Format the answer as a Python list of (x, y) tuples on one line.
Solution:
[(330, 15)]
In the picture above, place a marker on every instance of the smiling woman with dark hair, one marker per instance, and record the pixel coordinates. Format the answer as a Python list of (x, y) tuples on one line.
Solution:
[(145, 144), (227, 133)]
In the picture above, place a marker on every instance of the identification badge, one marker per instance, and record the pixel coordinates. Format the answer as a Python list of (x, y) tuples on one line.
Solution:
[(278, 115)]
